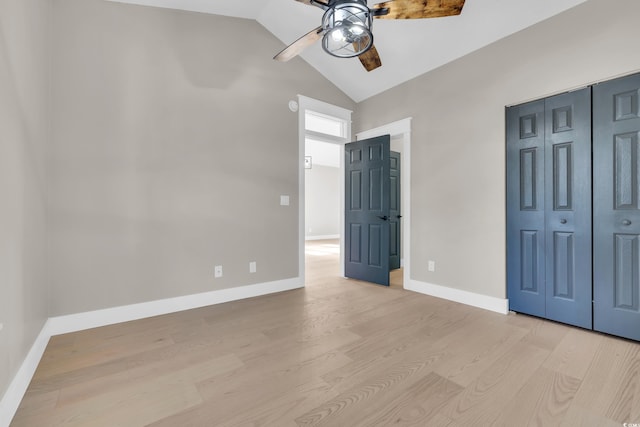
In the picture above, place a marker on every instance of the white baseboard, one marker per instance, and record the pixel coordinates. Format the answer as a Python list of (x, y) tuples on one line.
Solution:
[(17, 388), (498, 305), (326, 237), (109, 316)]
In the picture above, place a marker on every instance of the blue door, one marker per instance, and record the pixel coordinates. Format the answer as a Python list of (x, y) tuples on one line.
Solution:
[(525, 208), (367, 202), (568, 208), (549, 208), (616, 215), (395, 213)]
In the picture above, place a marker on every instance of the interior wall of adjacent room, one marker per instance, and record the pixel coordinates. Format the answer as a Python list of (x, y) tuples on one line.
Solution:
[(172, 144), (24, 119), (458, 132), (322, 201)]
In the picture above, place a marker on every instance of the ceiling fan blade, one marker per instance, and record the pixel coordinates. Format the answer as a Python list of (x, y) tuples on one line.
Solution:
[(370, 59), (310, 3), (416, 9), (295, 48)]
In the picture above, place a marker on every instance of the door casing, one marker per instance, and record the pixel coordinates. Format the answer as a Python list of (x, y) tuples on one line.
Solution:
[(401, 130)]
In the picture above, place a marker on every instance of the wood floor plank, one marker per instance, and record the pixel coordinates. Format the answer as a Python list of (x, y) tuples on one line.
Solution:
[(418, 405), (612, 383), (288, 405), (483, 400), (475, 348), (337, 353), (579, 416), (542, 333), (351, 406), (574, 354), (544, 400)]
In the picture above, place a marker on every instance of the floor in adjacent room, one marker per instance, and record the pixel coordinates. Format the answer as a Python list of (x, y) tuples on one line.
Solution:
[(336, 353)]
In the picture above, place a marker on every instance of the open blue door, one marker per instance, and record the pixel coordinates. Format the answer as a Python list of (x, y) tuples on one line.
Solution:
[(367, 201), (395, 212)]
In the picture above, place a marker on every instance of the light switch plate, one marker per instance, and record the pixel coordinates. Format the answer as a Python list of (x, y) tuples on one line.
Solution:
[(252, 267), (284, 200)]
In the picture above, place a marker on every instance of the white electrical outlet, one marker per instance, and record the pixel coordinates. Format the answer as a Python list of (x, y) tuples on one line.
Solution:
[(431, 266), (1, 326), (252, 267), (284, 200), (218, 271)]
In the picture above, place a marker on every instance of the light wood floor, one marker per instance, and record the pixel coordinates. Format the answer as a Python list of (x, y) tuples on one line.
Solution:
[(338, 353)]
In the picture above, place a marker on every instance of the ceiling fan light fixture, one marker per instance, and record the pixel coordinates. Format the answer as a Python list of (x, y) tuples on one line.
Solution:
[(347, 28)]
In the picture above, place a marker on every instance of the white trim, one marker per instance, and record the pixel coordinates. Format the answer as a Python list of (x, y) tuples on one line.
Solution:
[(18, 386), (400, 128), (323, 137), (498, 305), (109, 316), (306, 103), (326, 237), (324, 108), (302, 105), (395, 128)]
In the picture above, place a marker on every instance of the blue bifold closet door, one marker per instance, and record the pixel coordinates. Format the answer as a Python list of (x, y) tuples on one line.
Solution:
[(616, 206), (549, 239)]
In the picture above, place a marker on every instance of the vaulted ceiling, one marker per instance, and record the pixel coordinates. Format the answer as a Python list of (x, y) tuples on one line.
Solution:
[(407, 48)]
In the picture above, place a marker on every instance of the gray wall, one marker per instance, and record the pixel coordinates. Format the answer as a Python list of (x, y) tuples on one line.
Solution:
[(172, 143), (458, 137), (24, 66), (322, 201)]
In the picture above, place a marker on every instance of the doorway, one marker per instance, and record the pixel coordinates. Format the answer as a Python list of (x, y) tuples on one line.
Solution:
[(400, 132)]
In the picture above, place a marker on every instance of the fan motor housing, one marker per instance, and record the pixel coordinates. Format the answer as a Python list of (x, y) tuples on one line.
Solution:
[(347, 28)]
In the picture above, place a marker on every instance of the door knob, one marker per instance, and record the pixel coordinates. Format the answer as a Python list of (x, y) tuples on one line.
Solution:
[(384, 218), (398, 216), (626, 222), (563, 221)]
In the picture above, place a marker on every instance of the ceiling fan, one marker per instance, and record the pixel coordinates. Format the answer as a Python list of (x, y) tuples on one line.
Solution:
[(346, 26)]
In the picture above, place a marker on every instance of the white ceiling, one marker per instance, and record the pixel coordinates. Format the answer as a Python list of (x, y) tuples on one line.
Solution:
[(407, 48)]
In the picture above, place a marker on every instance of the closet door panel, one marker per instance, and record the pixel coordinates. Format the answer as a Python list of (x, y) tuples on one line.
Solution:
[(525, 208), (616, 152), (568, 208)]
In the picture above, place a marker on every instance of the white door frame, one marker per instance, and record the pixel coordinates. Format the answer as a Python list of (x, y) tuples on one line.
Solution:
[(398, 129), (306, 103)]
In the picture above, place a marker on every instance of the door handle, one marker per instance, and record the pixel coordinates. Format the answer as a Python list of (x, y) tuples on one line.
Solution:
[(398, 216), (563, 221), (626, 222), (384, 218)]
